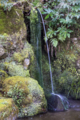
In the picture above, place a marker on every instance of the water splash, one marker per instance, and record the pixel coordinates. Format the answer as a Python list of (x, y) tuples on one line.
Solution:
[(47, 51)]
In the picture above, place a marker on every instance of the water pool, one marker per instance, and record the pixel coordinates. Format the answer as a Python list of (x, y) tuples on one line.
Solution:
[(72, 114)]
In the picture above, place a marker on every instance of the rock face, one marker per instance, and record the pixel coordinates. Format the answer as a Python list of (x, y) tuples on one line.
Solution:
[(12, 28), (17, 65), (8, 109), (31, 95)]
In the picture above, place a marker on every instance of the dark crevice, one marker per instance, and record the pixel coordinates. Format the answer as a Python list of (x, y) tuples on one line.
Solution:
[(27, 22)]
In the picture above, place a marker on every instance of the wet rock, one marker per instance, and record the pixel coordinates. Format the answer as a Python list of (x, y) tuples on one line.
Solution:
[(57, 102)]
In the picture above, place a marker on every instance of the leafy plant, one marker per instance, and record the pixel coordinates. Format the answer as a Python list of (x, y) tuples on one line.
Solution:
[(60, 16), (7, 6)]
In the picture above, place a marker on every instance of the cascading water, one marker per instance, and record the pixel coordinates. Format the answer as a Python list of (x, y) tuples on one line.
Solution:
[(56, 102), (47, 51), (35, 29)]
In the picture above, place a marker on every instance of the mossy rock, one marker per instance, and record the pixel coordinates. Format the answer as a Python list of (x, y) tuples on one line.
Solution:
[(21, 81), (12, 27), (26, 52), (3, 75), (32, 95), (8, 109), (14, 20), (16, 70)]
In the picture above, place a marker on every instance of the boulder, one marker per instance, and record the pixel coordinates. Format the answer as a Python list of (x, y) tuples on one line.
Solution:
[(16, 70), (27, 94), (8, 109)]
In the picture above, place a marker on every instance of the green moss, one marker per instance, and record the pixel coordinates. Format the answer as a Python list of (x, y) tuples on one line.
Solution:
[(66, 60), (3, 75), (16, 70), (31, 94), (27, 52), (7, 108), (38, 104), (32, 110), (11, 81), (11, 21), (17, 57)]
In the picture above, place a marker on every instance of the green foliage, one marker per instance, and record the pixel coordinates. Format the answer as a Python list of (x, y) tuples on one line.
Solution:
[(66, 76), (17, 94), (61, 15), (69, 84), (7, 6), (33, 16)]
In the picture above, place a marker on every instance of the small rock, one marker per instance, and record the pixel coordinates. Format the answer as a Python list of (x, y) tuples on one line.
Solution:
[(26, 63)]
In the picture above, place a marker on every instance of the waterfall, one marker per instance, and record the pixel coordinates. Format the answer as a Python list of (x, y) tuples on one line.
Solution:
[(47, 52), (35, 29), (56, 102)]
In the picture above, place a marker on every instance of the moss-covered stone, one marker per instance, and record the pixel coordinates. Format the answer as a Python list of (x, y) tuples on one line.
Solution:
[(12, 27), (13, 18), (33, 98), (26, 52), (16, 70), (12, 81), (8, 110), (3, 75)]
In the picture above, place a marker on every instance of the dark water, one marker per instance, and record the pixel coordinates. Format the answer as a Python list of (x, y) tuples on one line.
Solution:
[(72, 114)]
